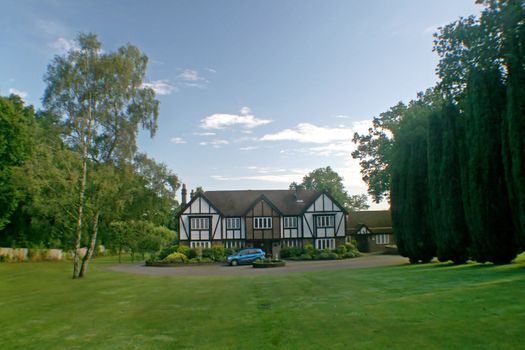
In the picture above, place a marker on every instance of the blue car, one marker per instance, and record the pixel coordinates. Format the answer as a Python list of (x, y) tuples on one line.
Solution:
[(246, 256)]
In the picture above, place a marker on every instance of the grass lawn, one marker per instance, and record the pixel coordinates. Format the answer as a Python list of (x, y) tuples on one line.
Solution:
[(434, 306)]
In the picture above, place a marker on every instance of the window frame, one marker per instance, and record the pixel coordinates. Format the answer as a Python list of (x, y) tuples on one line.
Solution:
[(324, 220), (286, 222), (200, 227), (262, 223), (236, 221)]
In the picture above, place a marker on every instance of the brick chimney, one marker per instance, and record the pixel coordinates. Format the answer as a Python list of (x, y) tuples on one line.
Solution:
[(184, 194)]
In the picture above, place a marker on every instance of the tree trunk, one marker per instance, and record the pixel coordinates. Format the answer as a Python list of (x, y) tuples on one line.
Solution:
[(78, 233), (91, 248)]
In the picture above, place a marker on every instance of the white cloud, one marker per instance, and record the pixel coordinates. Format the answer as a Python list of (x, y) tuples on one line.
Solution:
[(190, 75), (20, 93), (63, 45), (214, 143), (203, 133), (341, 116), (211, 70), (267, 174), (161, 87), (310, 133), (223, 120), (248, 148), (177, 140), (245, 110)]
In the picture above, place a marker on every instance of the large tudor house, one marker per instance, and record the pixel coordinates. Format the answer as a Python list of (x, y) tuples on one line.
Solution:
[(267, 219)]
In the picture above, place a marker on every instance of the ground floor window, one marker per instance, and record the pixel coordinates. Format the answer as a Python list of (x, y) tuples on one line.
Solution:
[(291, 243), (200, 244), (326, 243), (382, 239), (233, 244)]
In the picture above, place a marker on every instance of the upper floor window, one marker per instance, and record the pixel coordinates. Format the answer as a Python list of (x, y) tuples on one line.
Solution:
[(262, 223), (290, 222), (200, 223), (325, 221), (233, 223)]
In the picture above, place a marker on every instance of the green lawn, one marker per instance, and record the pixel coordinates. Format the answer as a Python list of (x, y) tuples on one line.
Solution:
[(433, 306)]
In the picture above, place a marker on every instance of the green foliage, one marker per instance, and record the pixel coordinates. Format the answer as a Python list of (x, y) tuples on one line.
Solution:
[(304, 256), (309, 249), (487, 206), (444, 181), (326, 179), (409, 190), (16, 121), (201, 260), (326, 255), (167, 251), (184, 250), (176, 258), (289, 252)]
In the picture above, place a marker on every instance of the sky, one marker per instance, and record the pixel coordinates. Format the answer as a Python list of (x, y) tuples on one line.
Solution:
[(253, 94)]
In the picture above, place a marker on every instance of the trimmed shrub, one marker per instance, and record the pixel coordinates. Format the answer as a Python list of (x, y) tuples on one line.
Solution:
[(289, 252), (304, 256), (184, 250), (167, 251), (195, 253), (327, 255), (176, 258), (207, 253), (218, 253), (341, 250), (200, 261), (309, 249)]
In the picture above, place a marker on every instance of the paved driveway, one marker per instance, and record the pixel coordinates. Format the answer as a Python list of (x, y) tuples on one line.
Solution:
[(248, 270)]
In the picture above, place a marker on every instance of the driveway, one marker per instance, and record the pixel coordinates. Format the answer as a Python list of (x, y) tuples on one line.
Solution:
[(248, 270)]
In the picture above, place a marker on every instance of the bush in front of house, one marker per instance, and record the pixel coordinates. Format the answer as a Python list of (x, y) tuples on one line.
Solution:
[(344, 251), (326, 255), (201, 260), (291, 252), (176, 258), (167, 251)]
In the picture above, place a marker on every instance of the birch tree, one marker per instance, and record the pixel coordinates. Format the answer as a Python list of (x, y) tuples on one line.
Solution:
[(102, 101)]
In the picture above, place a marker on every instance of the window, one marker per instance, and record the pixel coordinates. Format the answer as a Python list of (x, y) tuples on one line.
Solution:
[(382, 239), (290, 222), (233, 244), (327, 243), (325, 221), (233, 223), (261, 223), (292, 243), (202, 244), (200, 223)]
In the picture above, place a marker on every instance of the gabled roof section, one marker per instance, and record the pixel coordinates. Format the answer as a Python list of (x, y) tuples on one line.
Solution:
[(377, 221), (236, 203), (195, 197), (319, 194)]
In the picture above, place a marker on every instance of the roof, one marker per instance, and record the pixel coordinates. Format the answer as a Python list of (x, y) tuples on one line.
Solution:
[(236, 203), (377, 221)]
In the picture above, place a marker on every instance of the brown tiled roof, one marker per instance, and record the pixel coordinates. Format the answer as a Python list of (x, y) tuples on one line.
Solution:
[(377, 221), (236, 203)]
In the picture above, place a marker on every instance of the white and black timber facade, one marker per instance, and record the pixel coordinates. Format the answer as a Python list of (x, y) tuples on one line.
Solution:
[(266, 219)]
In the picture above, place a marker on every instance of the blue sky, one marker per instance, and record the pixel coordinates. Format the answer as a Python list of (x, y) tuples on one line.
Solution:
[(254, 94)]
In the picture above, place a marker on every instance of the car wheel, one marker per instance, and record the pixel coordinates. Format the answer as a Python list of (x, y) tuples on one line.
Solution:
[(234, 263)]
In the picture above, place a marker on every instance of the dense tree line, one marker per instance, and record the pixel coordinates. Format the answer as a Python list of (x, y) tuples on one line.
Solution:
[(453, 161), (71, 170)]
